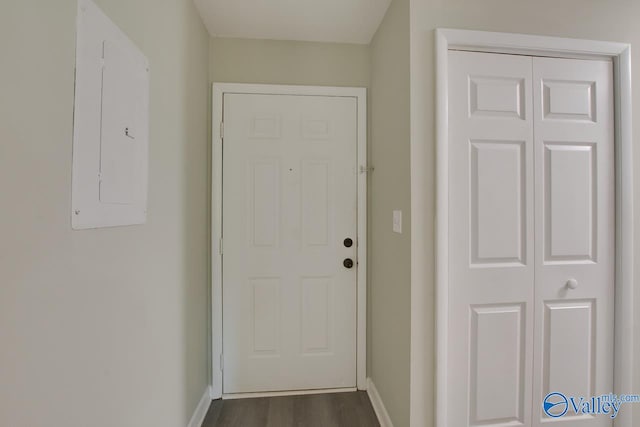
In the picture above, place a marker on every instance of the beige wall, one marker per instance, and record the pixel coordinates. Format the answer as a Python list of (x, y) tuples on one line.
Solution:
[(101, 327), (288, 62), (390, 253), (615, 20)]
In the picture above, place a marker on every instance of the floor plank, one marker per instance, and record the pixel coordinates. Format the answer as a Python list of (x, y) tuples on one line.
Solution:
[(314, 410)]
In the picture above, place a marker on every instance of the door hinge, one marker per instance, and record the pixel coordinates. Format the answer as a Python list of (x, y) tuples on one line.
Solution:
[(220, 248), (222, 130), (221, 362)]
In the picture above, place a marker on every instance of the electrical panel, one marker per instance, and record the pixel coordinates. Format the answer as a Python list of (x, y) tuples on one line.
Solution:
[(111, 129)]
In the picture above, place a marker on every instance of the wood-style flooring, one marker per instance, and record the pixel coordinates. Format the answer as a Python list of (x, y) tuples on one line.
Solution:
[(314, 410)]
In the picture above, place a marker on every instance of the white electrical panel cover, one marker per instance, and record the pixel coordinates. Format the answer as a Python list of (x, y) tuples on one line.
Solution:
[(111, 130)]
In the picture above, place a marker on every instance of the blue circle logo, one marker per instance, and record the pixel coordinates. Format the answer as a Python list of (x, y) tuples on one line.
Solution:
[(555, 405)]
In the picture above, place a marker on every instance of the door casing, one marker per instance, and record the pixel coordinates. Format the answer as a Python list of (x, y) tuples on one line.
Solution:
[(480, 41), (217, 164)]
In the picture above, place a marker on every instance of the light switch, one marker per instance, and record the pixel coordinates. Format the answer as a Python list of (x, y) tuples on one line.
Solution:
[(397, 221)]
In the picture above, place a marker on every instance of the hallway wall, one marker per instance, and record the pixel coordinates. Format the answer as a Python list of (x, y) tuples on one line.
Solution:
[(390, 185), (288, 62), (101, 327)]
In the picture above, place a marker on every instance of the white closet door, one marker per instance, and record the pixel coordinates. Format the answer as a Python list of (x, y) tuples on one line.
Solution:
[(491, 240), (290, 201), (575, 229)]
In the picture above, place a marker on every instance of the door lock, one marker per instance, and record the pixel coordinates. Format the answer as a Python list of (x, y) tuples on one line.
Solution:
[(348, 263)]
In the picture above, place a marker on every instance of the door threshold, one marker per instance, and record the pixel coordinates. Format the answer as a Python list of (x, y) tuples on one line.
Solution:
[(230, 396)]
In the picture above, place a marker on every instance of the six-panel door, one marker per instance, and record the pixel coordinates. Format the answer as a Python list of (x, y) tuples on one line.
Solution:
[(290, 199), (531, 237)]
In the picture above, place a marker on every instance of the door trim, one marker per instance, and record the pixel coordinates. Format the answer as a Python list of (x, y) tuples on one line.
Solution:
[(218, 91), (620, 54)]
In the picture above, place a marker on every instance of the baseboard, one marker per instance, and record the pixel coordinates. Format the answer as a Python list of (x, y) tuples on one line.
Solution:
[(378, 405), (201, 410)]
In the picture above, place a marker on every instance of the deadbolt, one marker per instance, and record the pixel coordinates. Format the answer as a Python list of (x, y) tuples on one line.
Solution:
[(348, 263), (348, 243)]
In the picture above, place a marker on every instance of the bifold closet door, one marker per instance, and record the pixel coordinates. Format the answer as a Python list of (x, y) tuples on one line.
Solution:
[(531, 237), (575, 229), (491, 240)]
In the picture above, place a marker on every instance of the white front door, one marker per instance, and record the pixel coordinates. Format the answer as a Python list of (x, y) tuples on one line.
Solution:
[(531, 232), (289, 251)]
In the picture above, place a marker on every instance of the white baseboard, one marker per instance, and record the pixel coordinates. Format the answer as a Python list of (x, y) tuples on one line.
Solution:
[(201, 410), (378, 405)]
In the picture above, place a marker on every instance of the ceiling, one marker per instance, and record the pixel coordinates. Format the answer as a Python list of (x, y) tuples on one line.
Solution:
[(344, 21)]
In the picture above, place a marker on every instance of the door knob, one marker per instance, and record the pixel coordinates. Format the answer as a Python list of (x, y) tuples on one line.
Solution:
[(348, 263), (572, 283)]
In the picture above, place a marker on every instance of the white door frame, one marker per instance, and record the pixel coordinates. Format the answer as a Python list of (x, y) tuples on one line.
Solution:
[(481, 41), (219, 89)]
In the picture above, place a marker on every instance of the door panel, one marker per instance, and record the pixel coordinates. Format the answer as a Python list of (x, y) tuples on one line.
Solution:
[(289, 200), (572, 100), (265, 298), (264, 202), (316, 315), (575, 213), (496, 96), (497, 327), (497, 223), (570, 223), (316, 203), (568, 348), (491, 239)]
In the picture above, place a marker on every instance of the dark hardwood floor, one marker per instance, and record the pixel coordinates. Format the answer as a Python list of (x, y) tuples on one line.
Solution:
[(314, 410)]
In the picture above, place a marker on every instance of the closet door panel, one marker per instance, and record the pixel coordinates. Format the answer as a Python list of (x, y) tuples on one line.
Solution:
[(491, 259), (575, 229)]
